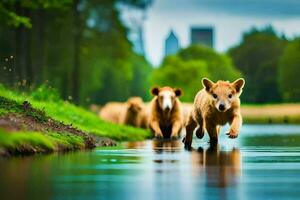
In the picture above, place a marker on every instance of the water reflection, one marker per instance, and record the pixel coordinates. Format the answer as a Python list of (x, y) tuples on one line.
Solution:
[(252, 167), (160, 146), (221, 168), (20, 178)]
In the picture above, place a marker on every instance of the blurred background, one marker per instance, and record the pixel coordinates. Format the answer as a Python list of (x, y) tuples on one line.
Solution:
[(90, 52), (95, 51)]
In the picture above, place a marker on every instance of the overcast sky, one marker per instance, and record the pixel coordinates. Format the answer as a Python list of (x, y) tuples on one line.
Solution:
[(230, 18)]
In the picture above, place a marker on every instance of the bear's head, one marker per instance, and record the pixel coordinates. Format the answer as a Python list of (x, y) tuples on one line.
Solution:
[(166, 97), (135, 104), (223, 94)]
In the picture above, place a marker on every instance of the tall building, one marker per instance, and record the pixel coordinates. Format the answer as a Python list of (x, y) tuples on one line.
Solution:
[(202, 35), (138, 41), (171, 44)]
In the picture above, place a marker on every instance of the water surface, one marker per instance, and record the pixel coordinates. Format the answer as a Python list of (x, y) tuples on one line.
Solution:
[(263, 163)]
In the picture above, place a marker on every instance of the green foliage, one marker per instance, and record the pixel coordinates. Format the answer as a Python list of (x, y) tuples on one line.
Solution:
[(284, 119), (17, 139), (140, 82), (84, 53), (69, 114), (181, 74), (289, 72), (186, 69), (219, 66), (257, 56), (22, 140), (69, 141), (45, 93), (8, 105), (10, 15)]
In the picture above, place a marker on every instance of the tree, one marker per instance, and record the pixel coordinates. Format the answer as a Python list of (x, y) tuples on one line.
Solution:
[(289, 72), (140, 81), (257, 56), (80, 47), (219, 65), (186, 69)]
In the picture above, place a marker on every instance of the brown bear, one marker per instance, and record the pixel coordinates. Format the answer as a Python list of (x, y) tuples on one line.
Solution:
[(132, 115), (165, 117), (144, 116), (123, 113), (112, 111), (186, 110), (215, 105)]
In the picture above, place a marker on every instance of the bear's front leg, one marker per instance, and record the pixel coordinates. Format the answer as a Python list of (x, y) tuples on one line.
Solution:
[(213, 133), (200, 130), (176, 126), (154, 125), (190, 126), (235, 127)]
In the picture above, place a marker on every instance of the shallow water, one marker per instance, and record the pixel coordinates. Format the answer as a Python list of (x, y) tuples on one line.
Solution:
[(263, 163)]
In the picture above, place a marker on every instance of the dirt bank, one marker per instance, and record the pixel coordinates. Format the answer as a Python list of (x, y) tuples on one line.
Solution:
[(28, 119)]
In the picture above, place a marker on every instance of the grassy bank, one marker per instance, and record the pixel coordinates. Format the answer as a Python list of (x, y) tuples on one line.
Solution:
[(271, 114), (44, 123), (25, 142), (266, 114)]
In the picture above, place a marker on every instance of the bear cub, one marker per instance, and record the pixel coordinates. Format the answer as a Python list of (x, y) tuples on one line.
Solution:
[(214, 106)]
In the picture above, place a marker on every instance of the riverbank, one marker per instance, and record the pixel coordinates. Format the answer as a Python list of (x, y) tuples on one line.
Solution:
[(40, 122), (271, 114), (266, 114)]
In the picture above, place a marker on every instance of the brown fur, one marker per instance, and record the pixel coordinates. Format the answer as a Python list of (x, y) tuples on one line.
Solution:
[(112, 111), (128, 113), (162, 123), (133, 112), (144, 116), (206, 115), (221, 168), (186, 110)]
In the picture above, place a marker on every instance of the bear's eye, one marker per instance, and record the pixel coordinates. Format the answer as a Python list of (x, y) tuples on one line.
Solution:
[(215, 96), (230, 96)]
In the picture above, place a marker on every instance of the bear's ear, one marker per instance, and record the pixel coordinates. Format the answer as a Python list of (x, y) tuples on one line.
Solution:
[(207, 84), (178, 92), (155, 91), (130, 103), (238, 84)]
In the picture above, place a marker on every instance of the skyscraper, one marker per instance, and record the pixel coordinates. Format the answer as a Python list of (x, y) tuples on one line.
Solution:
[(171, 44), (138, 41), (202, 35)]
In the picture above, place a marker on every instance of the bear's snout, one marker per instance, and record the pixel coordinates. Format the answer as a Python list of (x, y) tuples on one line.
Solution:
[(222, 107)]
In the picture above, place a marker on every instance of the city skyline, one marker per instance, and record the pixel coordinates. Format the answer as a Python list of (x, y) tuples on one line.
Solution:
[(202, 35), (172, 44), (229, 22)]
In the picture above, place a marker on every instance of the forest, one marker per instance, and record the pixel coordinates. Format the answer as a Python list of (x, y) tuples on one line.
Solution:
[(81, 49)]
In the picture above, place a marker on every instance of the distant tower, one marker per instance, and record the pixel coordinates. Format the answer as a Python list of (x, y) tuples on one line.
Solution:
[(138, 41), (171, 44), (202, 35)]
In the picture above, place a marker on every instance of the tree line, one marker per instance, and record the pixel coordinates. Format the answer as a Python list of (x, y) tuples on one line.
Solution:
[(79, 47), (268, 61)]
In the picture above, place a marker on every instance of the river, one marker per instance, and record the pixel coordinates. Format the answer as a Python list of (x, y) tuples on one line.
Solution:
[(263, 163)]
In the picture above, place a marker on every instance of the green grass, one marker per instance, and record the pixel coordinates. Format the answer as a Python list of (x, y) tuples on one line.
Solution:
[(68, 141), (271, 120), (14, 140), (272, 113), (68, 113), (119, 146), (39, 141)]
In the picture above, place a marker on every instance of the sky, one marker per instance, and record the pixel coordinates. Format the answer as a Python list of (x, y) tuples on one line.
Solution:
[(230, 18)]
